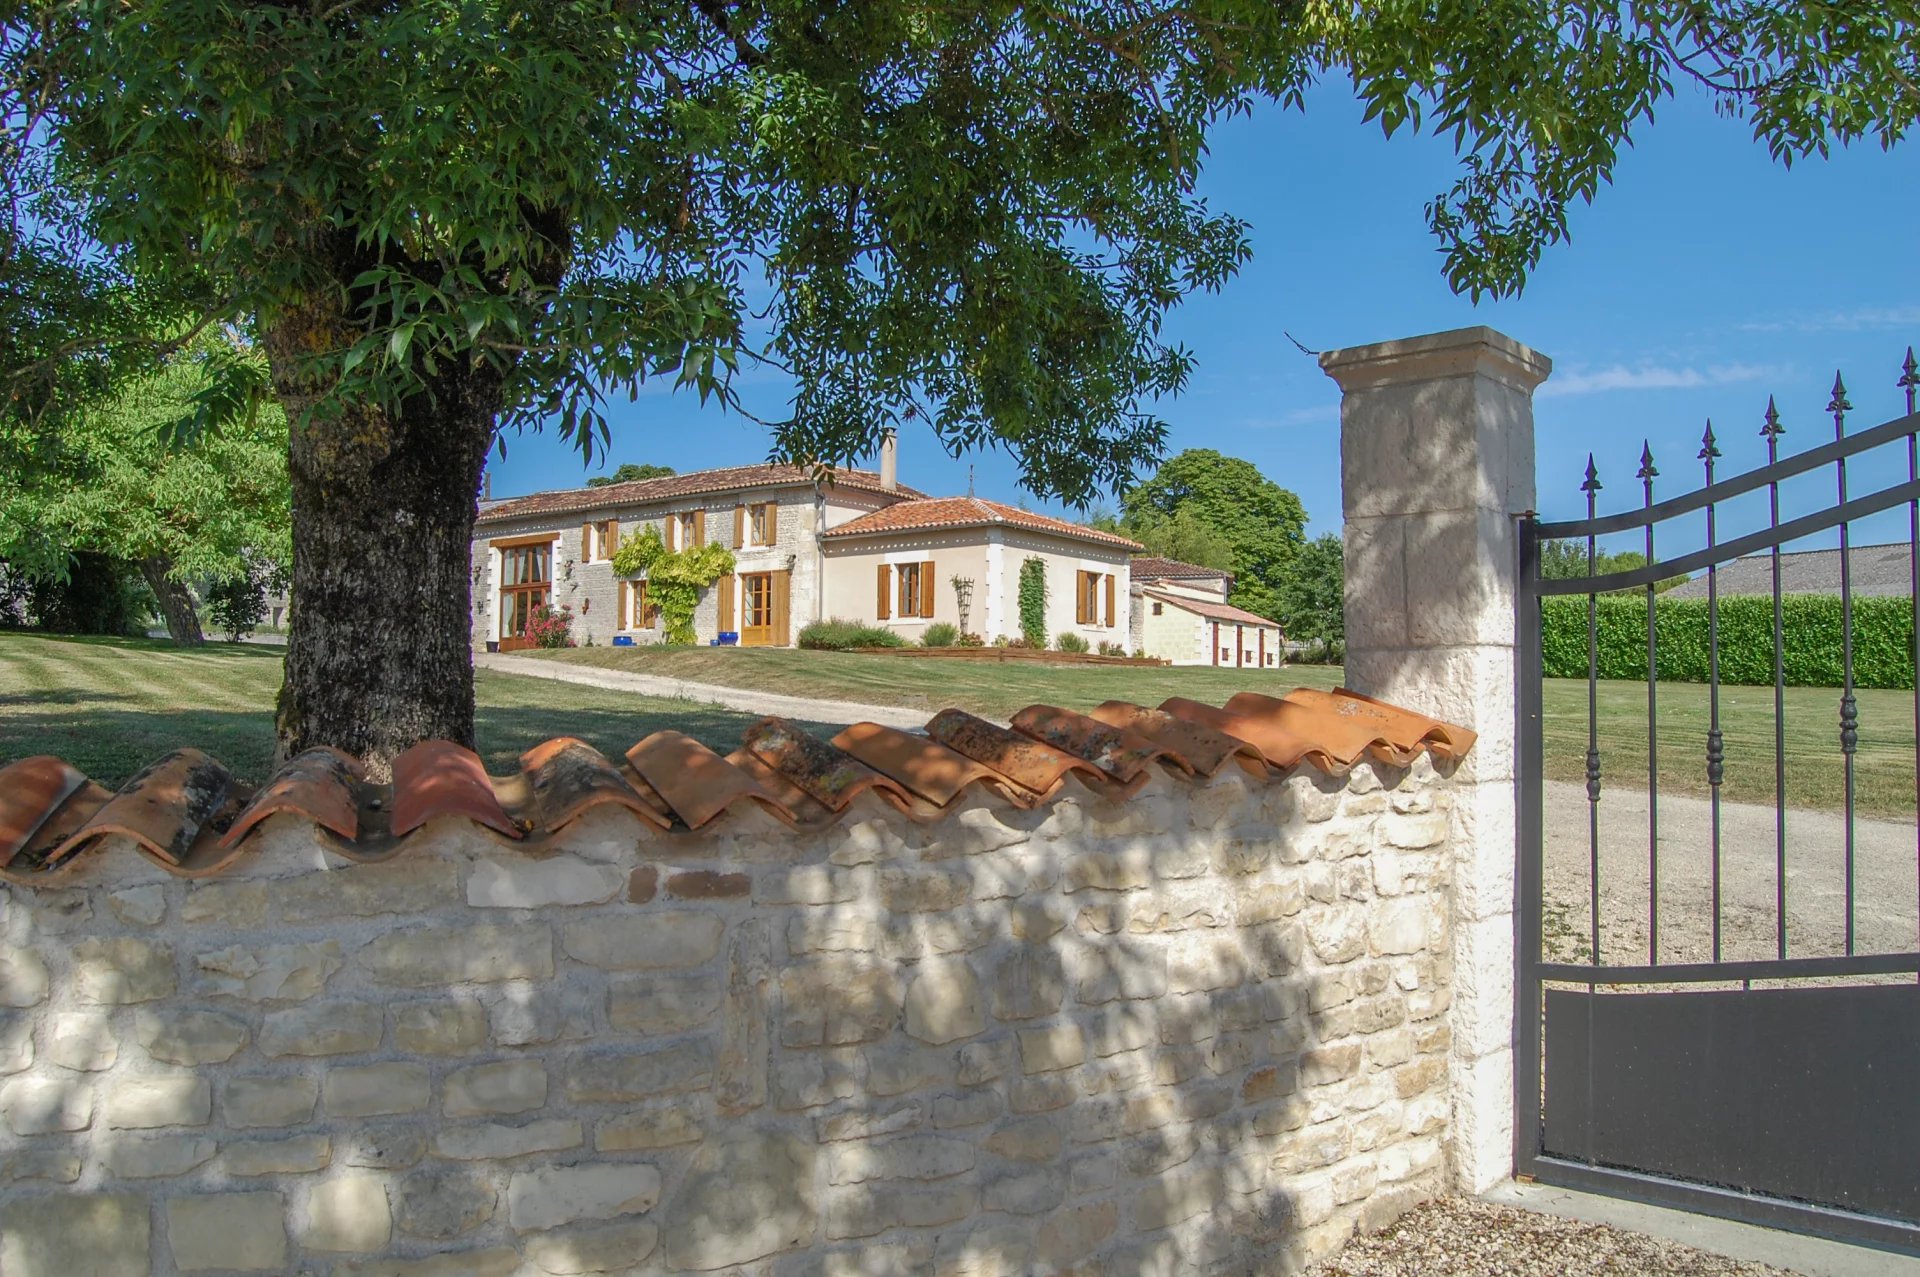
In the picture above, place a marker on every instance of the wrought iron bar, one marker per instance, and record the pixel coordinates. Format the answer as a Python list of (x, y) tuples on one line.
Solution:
[(1910, 382), (1849, 705), (1821, 520), (1772, 431), (1751, 481), (1592, 488), (1646, 474), (1716, 743), (1859, 964)]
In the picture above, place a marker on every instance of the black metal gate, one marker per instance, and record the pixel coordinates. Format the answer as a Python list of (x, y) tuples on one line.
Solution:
[(1675, 1043)]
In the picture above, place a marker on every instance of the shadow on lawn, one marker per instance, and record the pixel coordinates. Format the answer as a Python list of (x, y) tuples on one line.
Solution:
[(111, 745)]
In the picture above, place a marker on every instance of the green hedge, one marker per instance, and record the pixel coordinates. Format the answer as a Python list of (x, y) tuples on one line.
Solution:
[(1810, 627)]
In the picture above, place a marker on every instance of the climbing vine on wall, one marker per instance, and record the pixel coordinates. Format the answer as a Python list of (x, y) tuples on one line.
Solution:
[(674, 580), (1033, 602)]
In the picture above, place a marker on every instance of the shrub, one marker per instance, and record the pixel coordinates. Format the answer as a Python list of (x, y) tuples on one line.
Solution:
[(970, 640), (837, 635), (1112, 649), (236, 604), (550, 627), (1810, 639), (940, 634), (1071, 642)]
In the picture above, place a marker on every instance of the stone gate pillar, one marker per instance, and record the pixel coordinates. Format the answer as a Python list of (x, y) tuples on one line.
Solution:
[(1436, 448)]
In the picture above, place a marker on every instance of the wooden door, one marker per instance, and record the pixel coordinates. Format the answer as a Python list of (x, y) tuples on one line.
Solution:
[(526, 586), (763, 609)]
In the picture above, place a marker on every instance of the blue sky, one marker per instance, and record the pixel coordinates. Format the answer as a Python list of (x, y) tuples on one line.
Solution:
[(1706, 277)]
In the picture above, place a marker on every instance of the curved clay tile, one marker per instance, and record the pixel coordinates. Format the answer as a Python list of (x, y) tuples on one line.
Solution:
[(1347, 726), (1121, 754), (1035, 766), (937, 774), (174, 809), (828, 775), (1205, 749), (696, 783), (325, 785), (439, 778), (32, 793), (561, 779), (792, 804), (1277, 743)]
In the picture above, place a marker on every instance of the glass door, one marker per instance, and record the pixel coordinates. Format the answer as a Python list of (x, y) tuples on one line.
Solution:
[(526, 584)]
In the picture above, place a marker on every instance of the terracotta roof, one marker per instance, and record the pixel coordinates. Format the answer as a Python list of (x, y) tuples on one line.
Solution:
[(1212, 611), (667, 487), (930, 513), (1148, 567), (188, 814)]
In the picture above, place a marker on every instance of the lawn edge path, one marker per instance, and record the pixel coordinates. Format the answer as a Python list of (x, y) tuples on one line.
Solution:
[(745, 699)]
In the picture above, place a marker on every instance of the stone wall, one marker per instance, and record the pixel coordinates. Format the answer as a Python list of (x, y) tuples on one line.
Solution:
[(1204, 1029)]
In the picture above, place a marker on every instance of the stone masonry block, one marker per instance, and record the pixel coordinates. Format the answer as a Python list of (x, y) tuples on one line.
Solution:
[(373, 1090), (613, 1076), (269, 1101), (270, 973), (440, 1028), (189, 1037), (23, 978), (140, 1102), (549, 1196), (349, 1214), (337, 1028), (111, 972), (226, 1232), (37, 1234), (837, 1003), (519, 881), (83, 1041), (943, 1002), (666, 941), (435, 956), (504, 1088)]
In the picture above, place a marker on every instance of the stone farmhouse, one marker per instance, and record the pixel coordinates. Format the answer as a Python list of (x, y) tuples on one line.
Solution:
[(856, 545), (1179, 612)]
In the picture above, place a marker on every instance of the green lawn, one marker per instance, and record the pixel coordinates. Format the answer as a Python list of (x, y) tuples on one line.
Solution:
[(110, 706), (992, 689)]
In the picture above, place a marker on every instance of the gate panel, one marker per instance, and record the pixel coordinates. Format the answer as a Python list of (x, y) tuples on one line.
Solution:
[(1809, 1092), (1648, 1065)]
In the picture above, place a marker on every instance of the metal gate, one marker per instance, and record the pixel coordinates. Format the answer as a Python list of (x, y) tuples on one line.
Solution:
[(1718, 1001)]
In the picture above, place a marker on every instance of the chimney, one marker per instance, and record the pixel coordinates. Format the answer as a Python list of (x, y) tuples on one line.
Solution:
[(486, 485), (889, 463)]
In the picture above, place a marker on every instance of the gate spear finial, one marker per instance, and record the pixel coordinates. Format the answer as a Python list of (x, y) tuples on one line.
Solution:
[(1709, 446)]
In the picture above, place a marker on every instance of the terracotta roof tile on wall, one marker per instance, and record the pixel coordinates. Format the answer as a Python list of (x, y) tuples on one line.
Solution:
[(669, 487), (935, 513), (189, 815)]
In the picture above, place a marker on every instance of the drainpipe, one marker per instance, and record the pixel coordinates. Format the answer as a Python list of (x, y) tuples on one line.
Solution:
[(819, 551)]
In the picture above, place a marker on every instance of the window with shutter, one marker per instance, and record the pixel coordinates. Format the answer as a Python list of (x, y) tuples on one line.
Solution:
[(1109, 600)]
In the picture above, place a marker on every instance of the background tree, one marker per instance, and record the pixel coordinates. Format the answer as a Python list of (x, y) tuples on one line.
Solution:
[(1221, 501), (1563, 559), (113, 485), (628, 472), (449, 215), (1312, 596)]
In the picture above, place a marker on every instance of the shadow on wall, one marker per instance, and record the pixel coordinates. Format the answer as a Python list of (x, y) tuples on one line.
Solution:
[(1200, 1030)]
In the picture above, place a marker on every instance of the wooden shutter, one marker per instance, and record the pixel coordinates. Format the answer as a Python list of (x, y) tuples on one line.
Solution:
[(1109, 600), (586, 543), (1080, 598), (699, 528), (609, 537), (926, 588), (670, 533), (881, 610), (781, 596), (773, 523), (725, 586), (739, 525), (624, 616)]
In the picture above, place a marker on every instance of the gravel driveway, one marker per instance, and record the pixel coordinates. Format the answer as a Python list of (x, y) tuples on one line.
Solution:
[(1885, 856), (1461, 1237)]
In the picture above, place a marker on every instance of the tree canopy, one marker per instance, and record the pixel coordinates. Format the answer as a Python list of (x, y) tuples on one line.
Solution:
[(109, 483), (1203, 500), (442, 217), (1312, 595), (628, 472)]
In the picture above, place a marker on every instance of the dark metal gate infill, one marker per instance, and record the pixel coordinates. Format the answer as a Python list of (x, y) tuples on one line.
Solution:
[(1794, 1104)]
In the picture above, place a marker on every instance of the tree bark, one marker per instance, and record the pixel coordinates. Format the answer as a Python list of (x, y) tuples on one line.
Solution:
[(176, 602), (379, 653)]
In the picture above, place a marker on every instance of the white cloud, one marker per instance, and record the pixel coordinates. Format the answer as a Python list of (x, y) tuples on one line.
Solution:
[(1585, 381), (1860, 319)]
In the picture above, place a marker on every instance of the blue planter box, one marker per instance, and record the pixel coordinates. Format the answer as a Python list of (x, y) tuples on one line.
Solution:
[(623, 640)]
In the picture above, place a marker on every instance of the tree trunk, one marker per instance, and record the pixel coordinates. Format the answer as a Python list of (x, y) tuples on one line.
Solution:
[(176, 602), (379, 653)]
